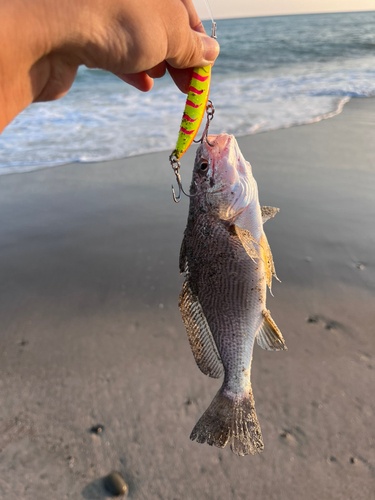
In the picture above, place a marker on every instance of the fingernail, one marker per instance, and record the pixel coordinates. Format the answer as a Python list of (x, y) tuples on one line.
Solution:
[(211, 49)]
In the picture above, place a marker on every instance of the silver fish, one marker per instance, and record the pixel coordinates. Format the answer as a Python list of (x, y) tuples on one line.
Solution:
[(227, 264)]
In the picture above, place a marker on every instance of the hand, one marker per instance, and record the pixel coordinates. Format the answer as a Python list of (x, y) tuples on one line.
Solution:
[(189, 46), (43, 43)]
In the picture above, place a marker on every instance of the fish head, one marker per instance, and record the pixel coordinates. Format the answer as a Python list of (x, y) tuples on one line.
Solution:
[(223, 178)]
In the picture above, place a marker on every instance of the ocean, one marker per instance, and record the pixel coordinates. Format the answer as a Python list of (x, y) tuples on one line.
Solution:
[(272, 72)]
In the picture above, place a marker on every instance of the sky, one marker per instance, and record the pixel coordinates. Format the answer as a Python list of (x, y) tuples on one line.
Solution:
[(222, 9)]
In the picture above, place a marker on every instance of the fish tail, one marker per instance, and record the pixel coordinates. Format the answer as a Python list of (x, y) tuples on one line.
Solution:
[(232, 421)]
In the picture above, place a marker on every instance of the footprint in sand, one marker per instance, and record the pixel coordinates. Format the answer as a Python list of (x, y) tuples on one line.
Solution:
[(294, 438), (366, 358), (288, 437), (312, 319), (329, 324), (332, 325), (361, 462)]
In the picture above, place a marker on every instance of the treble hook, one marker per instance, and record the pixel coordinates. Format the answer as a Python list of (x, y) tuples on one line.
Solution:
[(210, 110), (176, 169)]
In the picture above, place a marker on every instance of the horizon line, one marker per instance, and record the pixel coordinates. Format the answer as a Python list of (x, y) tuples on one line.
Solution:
[(289, 14)]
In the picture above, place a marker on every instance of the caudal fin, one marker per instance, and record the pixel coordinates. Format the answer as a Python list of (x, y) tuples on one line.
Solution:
[(230, 421)]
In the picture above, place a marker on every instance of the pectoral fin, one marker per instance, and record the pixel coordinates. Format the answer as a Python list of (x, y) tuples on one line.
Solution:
[(248, 241), (269, 336), (266, 256), (268, 213), (201, 340)]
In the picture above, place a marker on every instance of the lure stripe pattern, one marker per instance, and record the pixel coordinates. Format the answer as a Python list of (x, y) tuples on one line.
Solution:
[(184, 131), (195, 108), (199, 77), (190, 103), (196, 91), (187, 117)]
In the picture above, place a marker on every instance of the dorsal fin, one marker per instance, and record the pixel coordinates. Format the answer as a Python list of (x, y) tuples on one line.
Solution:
[(269, 336), (201, 340), (268, 213), (266, 256), (247, 241)]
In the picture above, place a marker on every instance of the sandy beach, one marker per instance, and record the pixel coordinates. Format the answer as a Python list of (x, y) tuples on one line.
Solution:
[(91, 332)]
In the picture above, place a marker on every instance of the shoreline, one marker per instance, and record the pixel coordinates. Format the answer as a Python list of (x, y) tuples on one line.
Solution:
[(332, 114)]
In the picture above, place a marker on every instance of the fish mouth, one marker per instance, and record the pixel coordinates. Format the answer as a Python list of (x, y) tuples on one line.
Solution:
[(221, 140), (222, 144)]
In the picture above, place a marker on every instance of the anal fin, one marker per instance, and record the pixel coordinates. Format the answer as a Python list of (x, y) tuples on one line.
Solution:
[(201, 340), (269, 336)]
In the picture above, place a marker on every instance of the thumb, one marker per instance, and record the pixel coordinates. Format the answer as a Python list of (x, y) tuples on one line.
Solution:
[(192, 49)]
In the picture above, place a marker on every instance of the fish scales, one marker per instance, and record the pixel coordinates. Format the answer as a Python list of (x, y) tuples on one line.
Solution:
[(222, 276), (225, 258)]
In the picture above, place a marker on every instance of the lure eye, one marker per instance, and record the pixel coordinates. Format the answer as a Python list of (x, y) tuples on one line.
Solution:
[(203, 166)]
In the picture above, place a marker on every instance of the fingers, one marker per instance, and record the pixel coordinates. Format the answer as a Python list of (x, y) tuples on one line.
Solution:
[(157, 71), (186, 45), (144, 81), (189, 46), (181, 77), (141, 81), (197, 50)]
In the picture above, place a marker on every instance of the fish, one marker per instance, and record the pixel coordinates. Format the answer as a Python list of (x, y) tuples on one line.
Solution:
[(227, 263)]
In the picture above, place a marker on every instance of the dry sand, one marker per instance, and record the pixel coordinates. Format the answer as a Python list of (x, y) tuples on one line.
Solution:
[(91, 332)]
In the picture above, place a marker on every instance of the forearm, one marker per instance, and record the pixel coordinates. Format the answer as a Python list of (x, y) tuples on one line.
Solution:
[(29, 32), (20, 48)]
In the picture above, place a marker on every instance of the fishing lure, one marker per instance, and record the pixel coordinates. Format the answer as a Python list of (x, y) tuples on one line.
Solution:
[(196, 105), (195, 108)]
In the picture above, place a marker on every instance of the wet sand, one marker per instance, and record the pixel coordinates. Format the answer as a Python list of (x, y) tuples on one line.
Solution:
[(91, 332)]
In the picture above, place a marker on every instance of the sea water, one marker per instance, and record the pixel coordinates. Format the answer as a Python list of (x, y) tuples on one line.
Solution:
[(272, 72)]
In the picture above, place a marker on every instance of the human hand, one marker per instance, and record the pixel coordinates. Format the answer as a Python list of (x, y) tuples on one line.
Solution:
[(45, 41), (136, 40), (188, 47)]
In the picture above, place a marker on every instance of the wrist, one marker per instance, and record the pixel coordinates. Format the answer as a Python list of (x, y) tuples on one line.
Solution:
[(22, 44)]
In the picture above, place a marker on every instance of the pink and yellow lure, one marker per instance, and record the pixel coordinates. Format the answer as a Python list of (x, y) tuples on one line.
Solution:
[(195, 109)]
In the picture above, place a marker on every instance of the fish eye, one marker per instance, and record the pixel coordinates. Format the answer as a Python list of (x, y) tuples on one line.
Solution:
[(203, 166)]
